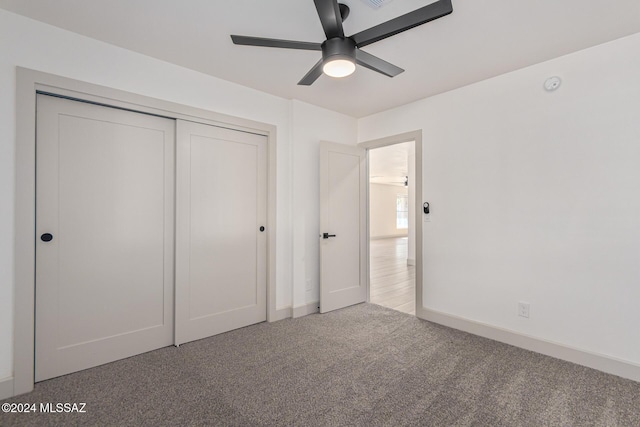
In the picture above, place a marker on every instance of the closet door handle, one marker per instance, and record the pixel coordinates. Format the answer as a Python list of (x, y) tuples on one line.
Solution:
[(46, 237)]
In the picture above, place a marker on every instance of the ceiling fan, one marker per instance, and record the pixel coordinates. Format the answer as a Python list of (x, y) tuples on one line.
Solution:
[(404, 182), (380, 179), (340, 54)]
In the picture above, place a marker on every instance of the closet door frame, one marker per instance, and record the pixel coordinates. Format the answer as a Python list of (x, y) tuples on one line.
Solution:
[(29, 83)]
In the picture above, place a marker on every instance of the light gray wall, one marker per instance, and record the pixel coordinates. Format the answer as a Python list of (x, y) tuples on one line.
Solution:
[(534, 197)]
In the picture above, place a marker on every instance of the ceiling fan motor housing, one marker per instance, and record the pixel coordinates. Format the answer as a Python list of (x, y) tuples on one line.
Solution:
[(337, 48)]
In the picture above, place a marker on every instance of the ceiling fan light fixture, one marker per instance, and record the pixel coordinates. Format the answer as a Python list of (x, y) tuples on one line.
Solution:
[(339, 67), (339, 57)]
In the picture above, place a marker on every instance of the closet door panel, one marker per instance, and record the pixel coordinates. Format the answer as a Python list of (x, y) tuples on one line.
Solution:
[(221, 249), (105, 195)]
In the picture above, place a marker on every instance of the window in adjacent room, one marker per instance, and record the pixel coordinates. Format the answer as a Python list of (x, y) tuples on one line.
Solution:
[(402, 211)]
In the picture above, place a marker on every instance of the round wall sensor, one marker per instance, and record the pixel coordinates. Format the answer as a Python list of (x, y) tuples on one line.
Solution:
[(552, 83)]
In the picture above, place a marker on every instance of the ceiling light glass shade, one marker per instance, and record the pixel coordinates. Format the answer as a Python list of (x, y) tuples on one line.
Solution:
[(339, 68)]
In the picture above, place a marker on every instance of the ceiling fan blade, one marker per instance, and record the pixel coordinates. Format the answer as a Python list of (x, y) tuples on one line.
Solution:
[(376, 64), (312, 75), (285, 44), (330, 18), (403, 23)]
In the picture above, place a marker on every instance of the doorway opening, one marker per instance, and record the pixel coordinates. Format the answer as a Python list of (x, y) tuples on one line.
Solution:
[(392, 230), (345, 274)]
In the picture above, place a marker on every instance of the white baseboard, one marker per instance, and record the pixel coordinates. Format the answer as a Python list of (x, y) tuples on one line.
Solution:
[(281, 314), (6, 388), (306, 309), (411, 261), (390, 236), (601, 362)]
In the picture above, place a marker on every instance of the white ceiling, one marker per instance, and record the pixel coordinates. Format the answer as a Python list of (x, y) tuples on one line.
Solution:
[(479, 40)]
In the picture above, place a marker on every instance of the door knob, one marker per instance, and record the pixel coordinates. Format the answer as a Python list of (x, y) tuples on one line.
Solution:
[(262, 228), (46, 237), (327, 235)]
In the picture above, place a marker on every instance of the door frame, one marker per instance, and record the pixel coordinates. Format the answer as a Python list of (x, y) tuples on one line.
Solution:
[(28, 84), (415, 136)]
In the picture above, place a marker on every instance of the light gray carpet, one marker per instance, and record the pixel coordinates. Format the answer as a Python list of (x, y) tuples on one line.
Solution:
[(361, 366)]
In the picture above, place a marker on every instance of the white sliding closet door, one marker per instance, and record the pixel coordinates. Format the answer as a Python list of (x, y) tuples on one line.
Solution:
[(105, 235), (221, 244)]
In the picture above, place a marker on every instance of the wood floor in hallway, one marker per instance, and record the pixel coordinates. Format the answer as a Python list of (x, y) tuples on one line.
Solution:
[(392, 280)]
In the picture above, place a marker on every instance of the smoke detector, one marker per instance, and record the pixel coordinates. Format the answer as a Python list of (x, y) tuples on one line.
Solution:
[(552, 83), (376, 4)]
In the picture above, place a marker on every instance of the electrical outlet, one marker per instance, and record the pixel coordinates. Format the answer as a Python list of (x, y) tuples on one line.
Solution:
[(309, 287), (523, 309)]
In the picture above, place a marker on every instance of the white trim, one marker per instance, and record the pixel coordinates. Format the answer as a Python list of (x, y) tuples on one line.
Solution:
[(28, 83), (601, 362), (304, 310), (390, 236), (6, 388), (281, 314), (388, 183)]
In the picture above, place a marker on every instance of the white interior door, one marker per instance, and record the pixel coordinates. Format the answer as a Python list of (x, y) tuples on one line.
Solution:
[(343, 244), (104, 196), (221, 242)]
